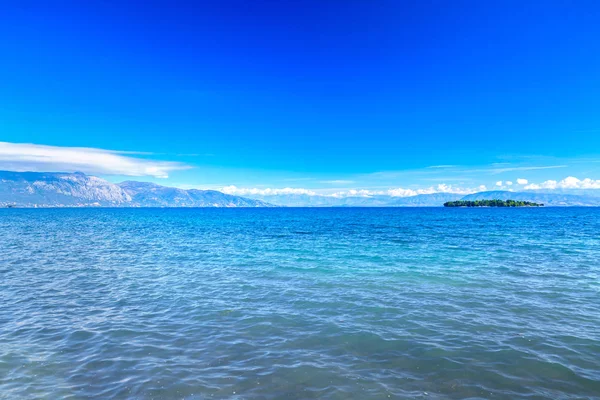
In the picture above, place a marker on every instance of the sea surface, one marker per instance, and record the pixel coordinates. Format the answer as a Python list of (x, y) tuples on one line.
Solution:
[(427, 303)]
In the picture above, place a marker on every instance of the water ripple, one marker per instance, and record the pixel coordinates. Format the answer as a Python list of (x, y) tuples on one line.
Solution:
[(300, 303)]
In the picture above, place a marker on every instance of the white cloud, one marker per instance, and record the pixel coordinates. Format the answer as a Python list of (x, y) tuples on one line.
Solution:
[(395, 192), (568, 183), (508, 183), (499, 183), (522, 181), (441, 188), (266, 192), (544, 185), (400, 192), (573, 183), (355, 193), (39, 158)]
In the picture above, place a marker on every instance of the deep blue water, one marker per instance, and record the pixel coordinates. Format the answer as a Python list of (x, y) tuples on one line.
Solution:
[(300, 303)]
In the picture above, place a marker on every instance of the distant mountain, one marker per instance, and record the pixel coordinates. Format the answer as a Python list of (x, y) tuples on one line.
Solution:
[(426, 200), (39, 189), (548, 199), (146, 194), (31, 189), (304, 200), (431, 200), (579, 192)]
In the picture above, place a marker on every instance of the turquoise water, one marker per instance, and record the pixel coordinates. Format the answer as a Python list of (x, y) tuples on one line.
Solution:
[(300, 303)]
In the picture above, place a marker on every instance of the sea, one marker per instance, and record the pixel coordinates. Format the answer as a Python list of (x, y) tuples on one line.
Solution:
[(300, 303)]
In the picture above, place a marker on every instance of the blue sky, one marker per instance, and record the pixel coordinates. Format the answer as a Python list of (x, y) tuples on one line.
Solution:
[(328, 96)]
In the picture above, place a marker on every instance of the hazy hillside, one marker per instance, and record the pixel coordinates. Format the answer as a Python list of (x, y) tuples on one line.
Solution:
[(145, 194), (34, 189), (303, 200)]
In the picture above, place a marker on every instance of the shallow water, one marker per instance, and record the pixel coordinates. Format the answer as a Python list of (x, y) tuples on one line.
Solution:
[(300, 303)]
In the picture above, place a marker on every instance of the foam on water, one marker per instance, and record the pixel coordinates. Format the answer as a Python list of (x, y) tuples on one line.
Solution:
[(300, 303)]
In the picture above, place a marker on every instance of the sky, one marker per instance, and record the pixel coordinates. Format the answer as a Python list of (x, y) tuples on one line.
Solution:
[(320, 96)]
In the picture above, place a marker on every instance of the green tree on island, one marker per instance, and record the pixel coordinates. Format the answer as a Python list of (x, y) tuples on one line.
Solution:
[(491, 203)]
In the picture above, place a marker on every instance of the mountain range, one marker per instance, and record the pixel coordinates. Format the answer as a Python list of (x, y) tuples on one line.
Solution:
[(41, 189), (305, 200), (45, 189)]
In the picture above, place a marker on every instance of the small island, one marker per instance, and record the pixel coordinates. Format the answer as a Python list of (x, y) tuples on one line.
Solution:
[(491, 203)]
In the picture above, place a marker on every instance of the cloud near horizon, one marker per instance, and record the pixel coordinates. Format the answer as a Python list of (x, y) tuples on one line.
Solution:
[(266, 192), (568, 183), (23, 157), (397, 192)]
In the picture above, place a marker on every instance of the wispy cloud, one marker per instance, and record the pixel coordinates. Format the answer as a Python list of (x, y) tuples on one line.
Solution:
[(442, 166), (337, 182), (512, 169), (298, 179), (194, 155), (452, 172), (41, 158)]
